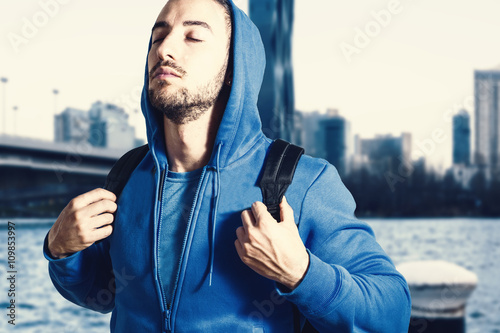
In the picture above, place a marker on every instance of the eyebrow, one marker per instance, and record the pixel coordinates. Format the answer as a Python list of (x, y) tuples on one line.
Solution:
[(197, 23), (160, 24), (164, 24)]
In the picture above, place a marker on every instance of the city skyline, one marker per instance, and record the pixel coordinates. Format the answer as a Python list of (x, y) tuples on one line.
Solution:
[(487, 102), (415, 71)]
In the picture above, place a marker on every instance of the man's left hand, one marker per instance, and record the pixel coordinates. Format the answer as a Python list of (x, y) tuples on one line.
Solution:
[(274, 250)]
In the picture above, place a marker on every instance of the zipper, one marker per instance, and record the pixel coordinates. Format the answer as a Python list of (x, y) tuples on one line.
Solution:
[(167, 315), (160, 189), (157, 247), (166, 321)]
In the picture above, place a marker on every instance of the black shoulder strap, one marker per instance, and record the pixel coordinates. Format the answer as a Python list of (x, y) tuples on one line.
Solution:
[(123, 168), (277, 174)]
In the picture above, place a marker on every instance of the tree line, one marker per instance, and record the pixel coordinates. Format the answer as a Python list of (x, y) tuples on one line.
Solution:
[(423, 194)]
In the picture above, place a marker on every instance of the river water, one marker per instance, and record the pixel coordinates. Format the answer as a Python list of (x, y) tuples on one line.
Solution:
[(471, 243)]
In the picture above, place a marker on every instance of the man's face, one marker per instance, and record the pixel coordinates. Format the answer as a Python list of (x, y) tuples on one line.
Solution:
[(188, 58)]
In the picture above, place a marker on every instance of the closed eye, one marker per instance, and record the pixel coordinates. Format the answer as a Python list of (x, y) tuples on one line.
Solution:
[(195, 40)]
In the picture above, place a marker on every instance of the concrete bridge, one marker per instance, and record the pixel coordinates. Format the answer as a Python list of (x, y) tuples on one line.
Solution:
[(38, 178)]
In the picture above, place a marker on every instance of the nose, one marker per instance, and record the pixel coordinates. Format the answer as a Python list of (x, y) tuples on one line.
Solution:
[(166, 49)]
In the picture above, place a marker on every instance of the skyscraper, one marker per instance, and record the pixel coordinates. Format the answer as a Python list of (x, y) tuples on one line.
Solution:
[(335, 140), (71, 126), (104, 125), (461, 138), (308, 134), (109, 127), (384, 153), (274, 18), (487, 118)]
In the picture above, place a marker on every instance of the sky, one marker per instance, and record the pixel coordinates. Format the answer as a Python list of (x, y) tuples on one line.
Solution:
[(388, 66)]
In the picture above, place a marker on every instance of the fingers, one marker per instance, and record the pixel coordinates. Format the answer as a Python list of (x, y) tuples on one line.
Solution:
[(95, 229), (241, 233), (100, 207), (260, 212), (273, 250), (239, 248), (102, 233), (248, 219), (85, 220), (286, 211), (95, 195), (101, 220), (242, 237)]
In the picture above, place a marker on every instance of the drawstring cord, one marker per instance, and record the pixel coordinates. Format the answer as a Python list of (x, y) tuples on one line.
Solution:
[(214, 212)]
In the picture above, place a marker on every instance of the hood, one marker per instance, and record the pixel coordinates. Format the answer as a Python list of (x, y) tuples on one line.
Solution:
[(241, 125)]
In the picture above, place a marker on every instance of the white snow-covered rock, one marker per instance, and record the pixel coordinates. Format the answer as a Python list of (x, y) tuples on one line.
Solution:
[(439, 289)]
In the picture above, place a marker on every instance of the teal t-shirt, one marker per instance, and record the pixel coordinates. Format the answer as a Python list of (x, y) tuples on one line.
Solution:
[(178, 196)]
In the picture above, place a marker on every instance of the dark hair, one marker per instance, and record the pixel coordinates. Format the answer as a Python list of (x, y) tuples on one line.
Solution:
[(229, 23), (229, 12)]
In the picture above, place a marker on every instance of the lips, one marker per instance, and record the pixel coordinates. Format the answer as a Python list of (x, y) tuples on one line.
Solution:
[(165, 73)]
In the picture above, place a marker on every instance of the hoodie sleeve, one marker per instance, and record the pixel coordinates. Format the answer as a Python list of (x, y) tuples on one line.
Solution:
[(84, 278), (351, 284)]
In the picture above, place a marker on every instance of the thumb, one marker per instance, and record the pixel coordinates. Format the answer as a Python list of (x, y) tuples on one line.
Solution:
[(286, 211)]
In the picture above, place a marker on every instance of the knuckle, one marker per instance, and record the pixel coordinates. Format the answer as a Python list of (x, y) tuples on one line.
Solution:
[(84, 196), (78, 215), (250, 237), (98, 191), (103, 193), (72, 204), (247, 250), (107, 206)]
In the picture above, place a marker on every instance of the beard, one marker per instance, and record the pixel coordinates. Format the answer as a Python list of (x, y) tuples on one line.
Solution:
[(184, 106)]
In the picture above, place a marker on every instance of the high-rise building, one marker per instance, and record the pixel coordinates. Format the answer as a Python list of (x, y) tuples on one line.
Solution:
[(109, 127), (104, 125), (461, 138), (384, 153), (335, 140), (487, 118), (307, 132), (71, 126), (274, 18)]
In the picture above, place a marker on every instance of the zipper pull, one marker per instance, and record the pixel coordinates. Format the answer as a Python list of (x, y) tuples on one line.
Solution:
[(162, 181), (166, 321)]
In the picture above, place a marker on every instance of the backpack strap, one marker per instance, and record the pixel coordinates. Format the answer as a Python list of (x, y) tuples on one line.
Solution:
[(120, 172), (277, 174)]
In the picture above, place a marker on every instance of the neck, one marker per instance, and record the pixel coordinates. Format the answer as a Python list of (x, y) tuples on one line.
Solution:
[(189, 146)]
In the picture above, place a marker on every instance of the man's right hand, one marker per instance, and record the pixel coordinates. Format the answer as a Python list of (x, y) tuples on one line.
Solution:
[(85, 220)]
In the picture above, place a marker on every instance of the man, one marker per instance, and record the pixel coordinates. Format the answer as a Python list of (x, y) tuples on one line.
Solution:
[(185, 253)]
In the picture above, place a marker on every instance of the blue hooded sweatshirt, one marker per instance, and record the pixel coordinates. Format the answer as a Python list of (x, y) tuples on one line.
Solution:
[(350, 286)]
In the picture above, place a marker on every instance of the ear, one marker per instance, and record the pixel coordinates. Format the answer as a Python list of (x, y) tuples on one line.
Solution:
[(228, 79)]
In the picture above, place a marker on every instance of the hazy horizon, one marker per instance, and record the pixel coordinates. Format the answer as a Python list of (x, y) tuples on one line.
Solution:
[(387, 74)]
